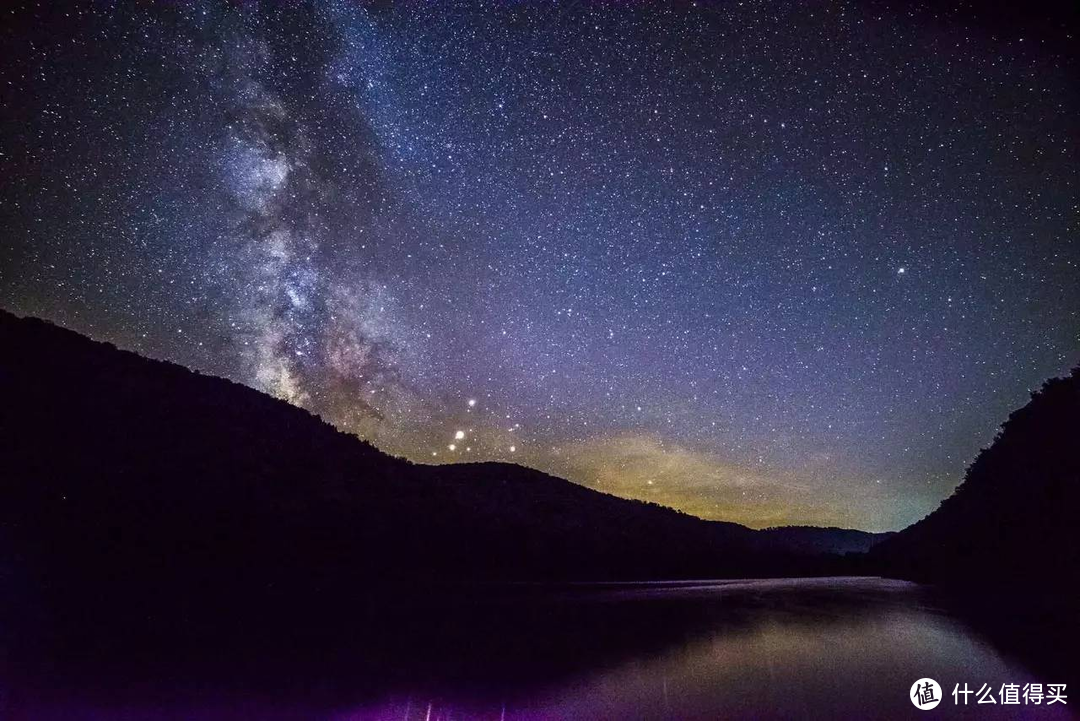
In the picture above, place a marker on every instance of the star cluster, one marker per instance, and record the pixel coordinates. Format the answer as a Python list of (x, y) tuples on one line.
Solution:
[(774, 262)]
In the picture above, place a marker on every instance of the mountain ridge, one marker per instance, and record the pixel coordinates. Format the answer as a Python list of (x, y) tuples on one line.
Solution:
[(137, 490), (1012, 517), (31, 327)]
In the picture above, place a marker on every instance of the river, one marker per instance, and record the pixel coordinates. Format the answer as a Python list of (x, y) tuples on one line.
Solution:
[(835, 648)]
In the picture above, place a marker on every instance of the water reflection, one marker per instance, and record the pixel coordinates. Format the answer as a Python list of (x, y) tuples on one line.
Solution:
[(803, 648)]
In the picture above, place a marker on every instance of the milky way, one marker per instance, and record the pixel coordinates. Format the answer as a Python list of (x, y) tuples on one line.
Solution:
[(768, 262)]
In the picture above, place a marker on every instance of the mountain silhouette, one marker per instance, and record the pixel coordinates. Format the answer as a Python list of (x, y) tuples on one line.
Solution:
[(815, 540), (1004, 546), (138, 489), (1012, 522)]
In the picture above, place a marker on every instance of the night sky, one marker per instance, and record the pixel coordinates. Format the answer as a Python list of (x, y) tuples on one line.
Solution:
[(785, 262)]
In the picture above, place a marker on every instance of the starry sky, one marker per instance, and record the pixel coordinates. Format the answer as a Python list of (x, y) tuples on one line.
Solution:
[(770, 262)]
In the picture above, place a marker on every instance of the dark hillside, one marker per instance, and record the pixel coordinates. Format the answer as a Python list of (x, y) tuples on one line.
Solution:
[(813, 539), (137, 489), (1012, 523)]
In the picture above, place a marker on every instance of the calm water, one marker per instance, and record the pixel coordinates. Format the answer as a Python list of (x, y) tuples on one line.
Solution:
[(804, 648)]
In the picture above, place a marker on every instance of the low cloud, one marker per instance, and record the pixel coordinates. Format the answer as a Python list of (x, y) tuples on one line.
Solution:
[(649, 468)]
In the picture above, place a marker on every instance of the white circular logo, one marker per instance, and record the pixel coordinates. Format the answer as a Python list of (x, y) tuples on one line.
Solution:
[(925, 694)]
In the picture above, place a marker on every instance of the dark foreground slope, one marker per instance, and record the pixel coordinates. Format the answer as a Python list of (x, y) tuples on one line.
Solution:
[(1005, 546), (1012, 523), (135, 489)]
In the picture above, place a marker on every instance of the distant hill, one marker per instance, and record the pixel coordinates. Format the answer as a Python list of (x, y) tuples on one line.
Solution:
[(1012, 524), (137, 487), (815, 540)]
